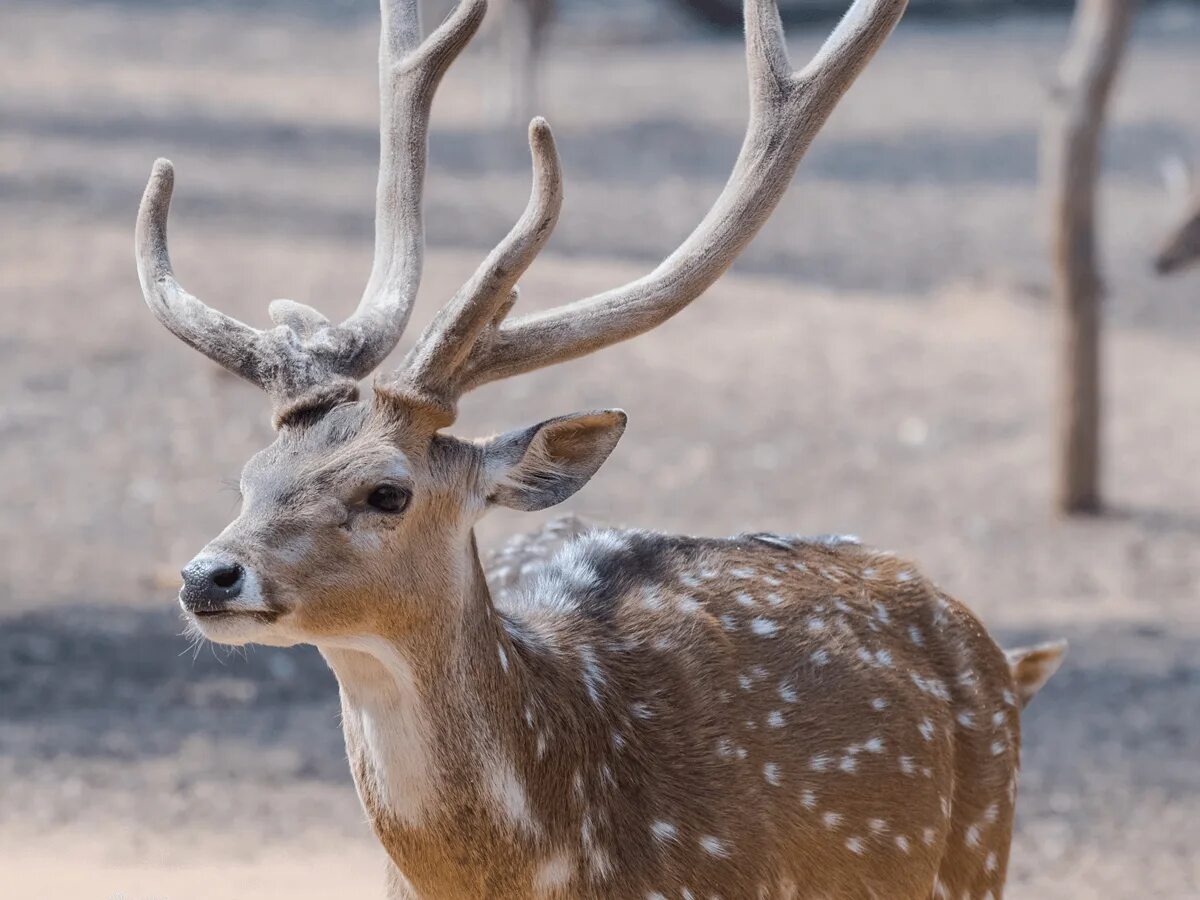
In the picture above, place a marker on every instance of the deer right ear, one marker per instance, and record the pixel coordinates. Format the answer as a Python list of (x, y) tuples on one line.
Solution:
[(537, 467)]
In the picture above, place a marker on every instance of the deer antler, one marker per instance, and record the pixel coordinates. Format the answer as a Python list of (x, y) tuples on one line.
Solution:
[(433, 370), (305, 360), (469, 344)]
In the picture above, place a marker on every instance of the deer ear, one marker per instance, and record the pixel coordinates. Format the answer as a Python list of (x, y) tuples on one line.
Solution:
[(538, 467)]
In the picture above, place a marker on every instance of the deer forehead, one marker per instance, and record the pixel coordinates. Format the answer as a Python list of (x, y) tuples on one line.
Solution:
[(349, 447)]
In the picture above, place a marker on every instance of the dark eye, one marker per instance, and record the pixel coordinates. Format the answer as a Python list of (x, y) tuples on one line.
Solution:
[(388, 498)]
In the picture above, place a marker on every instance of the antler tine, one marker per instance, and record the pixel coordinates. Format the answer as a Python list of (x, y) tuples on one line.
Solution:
[(306, 359), (221, 338), (432, 367), (787, 109), (409, 73)]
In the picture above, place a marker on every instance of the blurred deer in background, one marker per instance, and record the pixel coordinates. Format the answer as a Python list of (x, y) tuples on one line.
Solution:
[(647, 715), (525, 26), (1181, 247)]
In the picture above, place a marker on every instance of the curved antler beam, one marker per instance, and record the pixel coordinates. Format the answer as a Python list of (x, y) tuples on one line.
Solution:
[(305, 359), (221, 338), (787, 109)]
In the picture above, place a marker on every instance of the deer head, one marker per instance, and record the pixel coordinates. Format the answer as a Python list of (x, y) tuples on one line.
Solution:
[(363, 507)]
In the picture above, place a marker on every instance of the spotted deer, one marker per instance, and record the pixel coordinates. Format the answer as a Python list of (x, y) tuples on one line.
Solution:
[(634, 715)]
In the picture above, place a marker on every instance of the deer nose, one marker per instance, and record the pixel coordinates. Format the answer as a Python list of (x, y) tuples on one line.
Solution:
[(209, 582)]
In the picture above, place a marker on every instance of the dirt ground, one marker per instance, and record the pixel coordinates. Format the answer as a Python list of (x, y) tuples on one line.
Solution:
[(880, 362)]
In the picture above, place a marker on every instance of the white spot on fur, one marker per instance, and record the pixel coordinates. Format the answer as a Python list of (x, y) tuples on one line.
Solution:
[(510, 796), (728, 622), (664, 831), (775, 719), (855, 845), (503, 657), (902, 843), (600, 863), (927, 836), (554, 873), (745, 599), (714, 846), (651, 598), (831, 819), (742, 573), (771, 773), (593, 678), (879, 704), (971, 838), (763, 627), (819, 657), (819, 763), (808, 799), (874, 745), (925, 726), (787, 693)]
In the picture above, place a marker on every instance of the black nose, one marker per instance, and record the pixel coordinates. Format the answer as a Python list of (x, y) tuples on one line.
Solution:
[(209, 582)]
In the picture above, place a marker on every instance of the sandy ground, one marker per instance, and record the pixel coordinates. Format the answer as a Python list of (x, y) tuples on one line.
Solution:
[(881, 362)]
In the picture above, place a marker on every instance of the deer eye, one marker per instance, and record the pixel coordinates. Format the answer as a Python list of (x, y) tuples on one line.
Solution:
[(388, 498)]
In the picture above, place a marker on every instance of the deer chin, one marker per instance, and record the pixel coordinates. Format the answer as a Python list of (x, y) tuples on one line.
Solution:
[(239, 627)]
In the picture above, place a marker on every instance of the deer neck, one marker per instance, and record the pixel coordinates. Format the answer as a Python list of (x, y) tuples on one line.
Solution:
[(425, 714)]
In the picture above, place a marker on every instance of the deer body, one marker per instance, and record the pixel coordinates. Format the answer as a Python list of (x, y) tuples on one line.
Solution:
[(642, 715), (761, 716)]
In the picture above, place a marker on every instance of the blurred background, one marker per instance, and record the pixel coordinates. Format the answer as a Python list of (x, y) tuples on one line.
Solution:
[(881, 361)]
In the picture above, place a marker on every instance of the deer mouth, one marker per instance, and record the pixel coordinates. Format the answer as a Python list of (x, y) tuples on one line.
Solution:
[(257, 615)]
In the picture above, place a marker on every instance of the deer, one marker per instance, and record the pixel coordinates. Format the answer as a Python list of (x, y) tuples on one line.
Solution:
[(526, 27), (1180, 247), (639, 715)]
